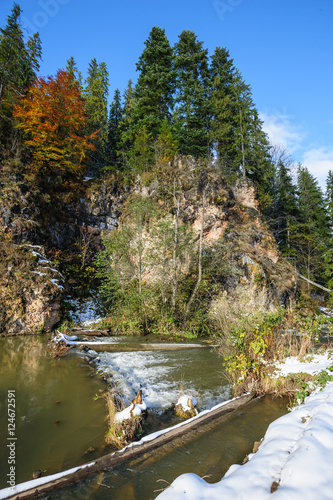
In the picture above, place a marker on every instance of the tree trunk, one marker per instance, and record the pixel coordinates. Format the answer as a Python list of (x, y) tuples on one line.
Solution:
[(195, 290), (174, 251)]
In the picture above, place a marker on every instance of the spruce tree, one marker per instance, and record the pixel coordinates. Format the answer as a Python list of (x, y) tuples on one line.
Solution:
[(329, 198), (237, 136), (96, 94), (223, 109), (328, 256), (127, 124), (114, 143), (286, 210), (192, 103), (154, 89), (311, 201), (72, 70), (309, 237), (19, 62)]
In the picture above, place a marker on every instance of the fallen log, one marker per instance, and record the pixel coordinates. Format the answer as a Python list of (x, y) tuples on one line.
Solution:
[(314, 283), (91, 333), (149, 443), (114, 347)]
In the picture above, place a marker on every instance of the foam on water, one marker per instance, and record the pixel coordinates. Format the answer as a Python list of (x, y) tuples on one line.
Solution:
[(161, 376)]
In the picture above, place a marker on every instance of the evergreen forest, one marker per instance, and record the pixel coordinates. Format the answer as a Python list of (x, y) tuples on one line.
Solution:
[(57, 132)]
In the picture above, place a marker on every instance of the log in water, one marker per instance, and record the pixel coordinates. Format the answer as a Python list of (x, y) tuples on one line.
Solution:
[(147, 445)]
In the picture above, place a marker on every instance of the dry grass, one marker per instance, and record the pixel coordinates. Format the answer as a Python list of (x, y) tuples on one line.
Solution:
[(229, 311), (185, 414)]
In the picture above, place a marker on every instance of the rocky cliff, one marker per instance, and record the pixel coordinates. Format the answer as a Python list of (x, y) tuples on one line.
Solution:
[(242, 250), (31, 289)]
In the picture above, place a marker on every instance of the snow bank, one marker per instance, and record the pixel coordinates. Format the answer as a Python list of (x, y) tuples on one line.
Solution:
[(296, 455)]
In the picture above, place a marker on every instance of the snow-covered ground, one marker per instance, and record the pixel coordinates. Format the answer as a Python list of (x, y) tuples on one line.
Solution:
[(294, 461), (86, 312), (312, 364)]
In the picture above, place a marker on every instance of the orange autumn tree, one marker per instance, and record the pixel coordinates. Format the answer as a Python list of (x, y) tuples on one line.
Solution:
[(53, 117)]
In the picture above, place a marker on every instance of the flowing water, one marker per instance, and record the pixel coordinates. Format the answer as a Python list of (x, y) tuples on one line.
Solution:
[(50, 391), (163, 375)]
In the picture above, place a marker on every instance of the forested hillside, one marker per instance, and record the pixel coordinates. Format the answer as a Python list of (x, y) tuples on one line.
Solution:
[(169, 161)]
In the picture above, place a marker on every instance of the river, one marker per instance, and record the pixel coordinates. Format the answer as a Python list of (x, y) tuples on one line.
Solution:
[(61, 424)]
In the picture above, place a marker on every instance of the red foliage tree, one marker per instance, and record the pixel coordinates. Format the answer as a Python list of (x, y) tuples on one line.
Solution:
[(53, 116)]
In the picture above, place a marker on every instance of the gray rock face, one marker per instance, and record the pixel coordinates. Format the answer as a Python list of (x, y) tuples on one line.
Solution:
[(31, 290)]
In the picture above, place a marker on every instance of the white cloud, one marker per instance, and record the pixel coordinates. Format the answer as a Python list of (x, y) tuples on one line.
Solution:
[(319, 160), (282, 131)]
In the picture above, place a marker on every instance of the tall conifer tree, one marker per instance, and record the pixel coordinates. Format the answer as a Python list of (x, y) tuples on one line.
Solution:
[(192, 110), (223, 109), (19, 62), (96, 94), (72, 70), (329, 251), (154, 89), (286, 210), (310, 235), (114, 143)]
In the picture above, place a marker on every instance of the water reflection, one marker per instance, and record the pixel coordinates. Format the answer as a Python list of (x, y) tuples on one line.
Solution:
[(57, 419)]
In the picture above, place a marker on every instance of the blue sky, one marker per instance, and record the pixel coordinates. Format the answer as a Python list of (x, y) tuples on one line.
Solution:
[(283, 48)]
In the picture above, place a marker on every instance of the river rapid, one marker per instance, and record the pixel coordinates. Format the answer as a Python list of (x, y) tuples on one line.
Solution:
[(61, 424)]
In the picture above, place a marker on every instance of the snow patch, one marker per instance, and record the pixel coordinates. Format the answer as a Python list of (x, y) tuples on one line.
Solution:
[(129, 412), (187, 402), (311, 364), (55, 283)]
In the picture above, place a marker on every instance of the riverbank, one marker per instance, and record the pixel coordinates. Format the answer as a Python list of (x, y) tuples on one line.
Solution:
[(294, 460)]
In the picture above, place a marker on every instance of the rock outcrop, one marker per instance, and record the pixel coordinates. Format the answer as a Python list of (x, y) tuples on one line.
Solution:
[(30, 289)]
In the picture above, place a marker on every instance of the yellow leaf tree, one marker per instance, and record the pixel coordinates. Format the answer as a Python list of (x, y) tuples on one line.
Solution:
[(53, 117)]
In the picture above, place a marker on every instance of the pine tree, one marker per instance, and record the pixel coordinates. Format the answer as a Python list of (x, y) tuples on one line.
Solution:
[(329, 198), (311, 201), (286, 210), (223, 110), (154, 89), (192, 103), (237, 136), (141, 153), (309, 237), (248, 127), (165, 145), (19, 61), (328, 256), (96, 95), (72, 70), (127, 126), (114, 143)]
